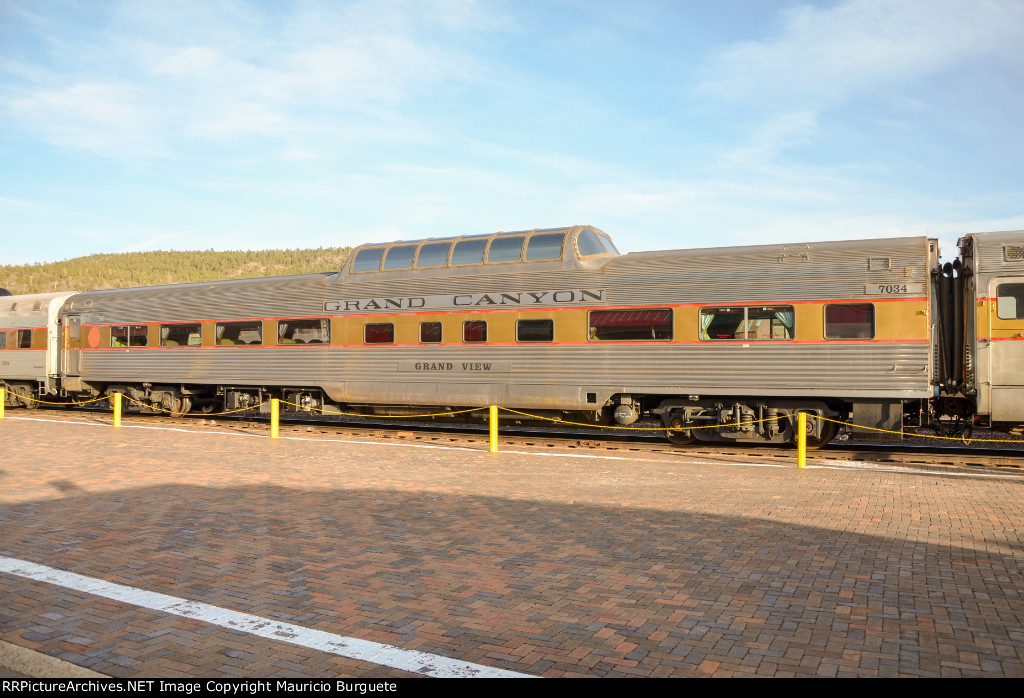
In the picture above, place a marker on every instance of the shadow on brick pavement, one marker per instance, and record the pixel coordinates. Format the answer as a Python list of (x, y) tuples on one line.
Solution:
[(540, 587)]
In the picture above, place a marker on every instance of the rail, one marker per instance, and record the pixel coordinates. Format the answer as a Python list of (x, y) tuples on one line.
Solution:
[(493, 419)]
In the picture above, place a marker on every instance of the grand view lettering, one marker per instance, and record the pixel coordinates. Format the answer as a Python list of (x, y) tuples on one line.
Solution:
[(470, 300), (412, 366)]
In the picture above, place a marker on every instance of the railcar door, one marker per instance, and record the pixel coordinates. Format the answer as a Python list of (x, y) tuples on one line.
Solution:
[(72, 345), (1006, 346)]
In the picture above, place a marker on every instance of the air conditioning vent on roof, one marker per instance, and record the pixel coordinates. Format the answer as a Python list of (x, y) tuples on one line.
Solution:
[(794, 253), (1013, 253)]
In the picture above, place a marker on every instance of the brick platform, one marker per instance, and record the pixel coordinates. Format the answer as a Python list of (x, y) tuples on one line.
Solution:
[(555, 564)]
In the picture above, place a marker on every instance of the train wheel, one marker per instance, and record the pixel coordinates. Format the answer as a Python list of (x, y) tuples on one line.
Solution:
[(181, 406), (28, 402), (828, 432), (679, 438)]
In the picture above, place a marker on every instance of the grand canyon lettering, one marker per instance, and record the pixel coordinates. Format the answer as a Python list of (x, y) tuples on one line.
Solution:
[(470, 300)]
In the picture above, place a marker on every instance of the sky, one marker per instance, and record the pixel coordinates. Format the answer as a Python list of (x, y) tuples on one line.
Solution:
[(231, 124)]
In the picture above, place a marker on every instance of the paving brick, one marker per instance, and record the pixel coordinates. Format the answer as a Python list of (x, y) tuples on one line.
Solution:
[(650, 565)]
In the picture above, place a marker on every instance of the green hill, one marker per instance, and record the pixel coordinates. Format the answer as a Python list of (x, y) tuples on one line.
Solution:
[(100, 271)]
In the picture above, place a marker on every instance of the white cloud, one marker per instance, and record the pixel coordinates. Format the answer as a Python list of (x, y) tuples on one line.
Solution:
[(775, 134), (838, 56), (193, 61), (323, 73), (50, 210), (824, 54), (300, 155), (104, 118)]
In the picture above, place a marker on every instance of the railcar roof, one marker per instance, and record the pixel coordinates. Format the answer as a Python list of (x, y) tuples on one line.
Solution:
[(999, 251), (29, 304), (500, 233), (566, 247)]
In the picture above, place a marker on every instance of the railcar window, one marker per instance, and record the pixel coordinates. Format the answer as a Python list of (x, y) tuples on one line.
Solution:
[(770, 322), (630, 325), (506, 249), (750, 323), (379, 333), (1010, 301), (469, 251), (230, 334), (368, 260), (129, 336), (119, 336), (721, 323), (305, 331), (548, 246), (180, 335), (535, 331), (430, 332), (474, 331), (433, 254), (24, 339), (850, 321), (589, 244), (399, 257), (3, 340)]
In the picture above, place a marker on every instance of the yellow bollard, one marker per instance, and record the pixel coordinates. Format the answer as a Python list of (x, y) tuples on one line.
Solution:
[(275, 415), (494, 428), (3, 399), (801, 440), (117, 409)]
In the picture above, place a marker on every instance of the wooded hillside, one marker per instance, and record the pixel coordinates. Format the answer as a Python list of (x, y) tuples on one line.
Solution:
[(100, 271)]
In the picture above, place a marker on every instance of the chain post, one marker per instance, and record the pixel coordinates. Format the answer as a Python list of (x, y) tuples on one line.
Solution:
[(494, 428)]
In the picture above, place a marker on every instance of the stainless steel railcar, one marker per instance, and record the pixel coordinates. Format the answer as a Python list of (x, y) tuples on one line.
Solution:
[(733, 340), (987, 327), (30, 346)]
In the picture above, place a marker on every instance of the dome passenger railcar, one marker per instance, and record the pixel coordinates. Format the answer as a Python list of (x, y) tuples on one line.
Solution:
[(722, 344)]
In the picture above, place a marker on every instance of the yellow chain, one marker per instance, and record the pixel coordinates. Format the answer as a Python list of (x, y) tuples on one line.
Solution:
[(756, 421), (600, 426), (923, 436), (524, 414), (44, 402), (190, 414), (384, 416)]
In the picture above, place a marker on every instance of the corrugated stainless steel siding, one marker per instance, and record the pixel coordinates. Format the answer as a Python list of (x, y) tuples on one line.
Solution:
[(833, 271), (25, 313), (283, 296), (988, 252), (889, 369)]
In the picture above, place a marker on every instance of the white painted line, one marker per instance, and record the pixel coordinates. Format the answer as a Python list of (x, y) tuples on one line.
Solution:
[(833, 465), (872, 468), (435, 447), (350, 647), (57, 421)]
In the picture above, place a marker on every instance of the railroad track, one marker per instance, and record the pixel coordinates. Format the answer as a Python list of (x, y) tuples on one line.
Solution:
[(914, 450)]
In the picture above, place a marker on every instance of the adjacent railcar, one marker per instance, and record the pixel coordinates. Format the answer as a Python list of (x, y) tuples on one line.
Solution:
[(988, 327), (735, 339), (30, 346)]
